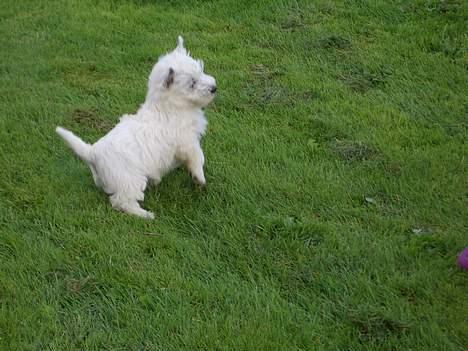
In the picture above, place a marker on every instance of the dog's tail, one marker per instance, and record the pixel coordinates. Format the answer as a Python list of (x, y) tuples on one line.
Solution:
[(82, 149)]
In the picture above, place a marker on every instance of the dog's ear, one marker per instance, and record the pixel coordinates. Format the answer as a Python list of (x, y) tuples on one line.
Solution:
[(170, 78), (180, 45)]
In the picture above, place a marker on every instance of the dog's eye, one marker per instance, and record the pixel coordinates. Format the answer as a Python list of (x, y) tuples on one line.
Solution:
[(192, 83)]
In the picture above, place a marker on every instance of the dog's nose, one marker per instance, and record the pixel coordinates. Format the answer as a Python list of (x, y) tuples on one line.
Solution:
[(213, 89)]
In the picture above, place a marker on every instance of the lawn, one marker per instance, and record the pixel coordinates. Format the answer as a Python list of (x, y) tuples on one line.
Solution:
[(336, 163)]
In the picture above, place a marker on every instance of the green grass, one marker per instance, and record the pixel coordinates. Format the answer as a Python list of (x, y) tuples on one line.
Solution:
[(336, 168)]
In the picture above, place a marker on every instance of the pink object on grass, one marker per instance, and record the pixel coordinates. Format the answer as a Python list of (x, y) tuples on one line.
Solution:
[(463, 258)]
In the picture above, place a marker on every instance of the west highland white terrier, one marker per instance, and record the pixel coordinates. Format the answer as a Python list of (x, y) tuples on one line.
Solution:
[(164, 133)]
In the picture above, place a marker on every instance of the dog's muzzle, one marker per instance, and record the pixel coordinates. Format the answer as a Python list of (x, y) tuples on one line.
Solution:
[(213, 89)]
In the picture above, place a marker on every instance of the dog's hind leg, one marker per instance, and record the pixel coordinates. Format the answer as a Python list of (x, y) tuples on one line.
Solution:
[(96, 179), (124, 204)]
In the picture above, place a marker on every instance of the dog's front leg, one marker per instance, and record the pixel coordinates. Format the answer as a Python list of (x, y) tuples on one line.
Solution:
[(192, 156)]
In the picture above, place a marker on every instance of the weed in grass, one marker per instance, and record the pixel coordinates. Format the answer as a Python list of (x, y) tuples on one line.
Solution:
[(333, 41), (375, 327), (352, 150), (90, 118), (361, 79)]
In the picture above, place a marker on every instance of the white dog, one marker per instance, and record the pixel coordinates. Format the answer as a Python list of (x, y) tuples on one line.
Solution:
[(163, 134)]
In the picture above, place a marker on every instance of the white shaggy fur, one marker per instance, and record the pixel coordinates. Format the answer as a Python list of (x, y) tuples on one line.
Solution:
[(163, 134)]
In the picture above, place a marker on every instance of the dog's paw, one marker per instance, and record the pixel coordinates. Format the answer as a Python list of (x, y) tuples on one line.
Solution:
[(149, 215), (200, 182), (144, 214), (200, 188)]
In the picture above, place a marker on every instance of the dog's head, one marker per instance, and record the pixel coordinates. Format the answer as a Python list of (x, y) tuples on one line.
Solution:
[(179, 80)]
